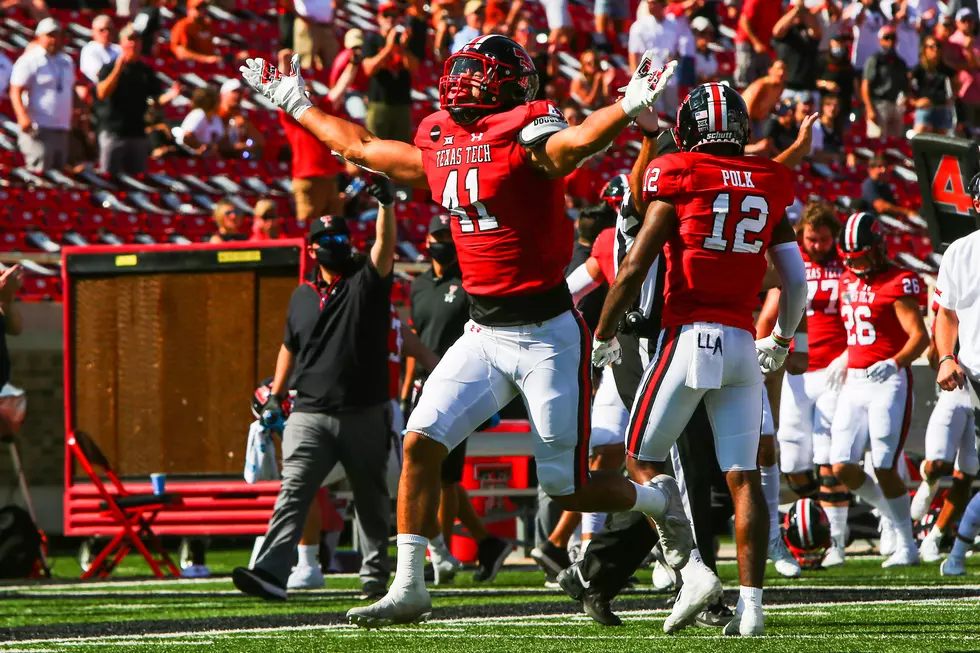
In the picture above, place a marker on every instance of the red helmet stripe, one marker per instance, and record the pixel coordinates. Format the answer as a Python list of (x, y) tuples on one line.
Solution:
[(852, 231), (717, 113)]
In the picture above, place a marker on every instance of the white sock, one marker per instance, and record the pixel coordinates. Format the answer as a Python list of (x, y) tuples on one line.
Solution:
[(900, 509), (411, 560), (694, 564), (437, 548), (837, 516), (750, 596), (584, 548), (650, 501), (256, 548), (870, 491), (592, 522), (969, 525), (307, 555), (934, 533), (770, 488)]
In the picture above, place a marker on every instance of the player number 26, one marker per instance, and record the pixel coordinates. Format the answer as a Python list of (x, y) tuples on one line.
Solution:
[(747, 225), (857, 322), (473, 217)]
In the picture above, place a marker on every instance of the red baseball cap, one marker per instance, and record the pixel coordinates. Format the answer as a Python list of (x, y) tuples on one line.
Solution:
[(387, 5)]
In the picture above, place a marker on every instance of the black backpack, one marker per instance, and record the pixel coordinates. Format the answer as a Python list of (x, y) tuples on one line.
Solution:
[(20, 543)]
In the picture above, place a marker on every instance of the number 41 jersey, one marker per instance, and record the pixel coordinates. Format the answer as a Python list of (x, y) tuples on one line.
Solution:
[(726, 210), (511, 233)]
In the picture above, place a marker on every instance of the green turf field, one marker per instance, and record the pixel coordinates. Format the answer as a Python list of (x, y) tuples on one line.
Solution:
[(859, 607)]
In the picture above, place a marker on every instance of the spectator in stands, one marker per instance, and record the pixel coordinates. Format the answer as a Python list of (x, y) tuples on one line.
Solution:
[(243, 138), (867, 19), (796, 39), (779, 133), (753, 52), (228, 223), (559, 19), (932, 89), (125, 87), (828, 143), (474, 14), (391, 56), (885, 78), (99, 51), (876, 192), (202, 131), (836, 75), (668, 37), (592, 88), (705, 61), (502, 16), (314, 167), (610, 17), (545, 59), (191, 39), (47, 75), (951, 53), (967, 59), (11, 322), (6, 66), (762, 96), (828, 14), (353, 52), (36, 9), (313, 35), (905, 20), (265, 221), (572, 112), (448, 20)]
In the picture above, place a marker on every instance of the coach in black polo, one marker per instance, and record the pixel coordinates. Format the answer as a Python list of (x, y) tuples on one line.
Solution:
[(335, 351), (440, 311)]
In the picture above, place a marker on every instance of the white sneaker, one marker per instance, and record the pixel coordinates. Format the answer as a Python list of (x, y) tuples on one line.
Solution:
[(953, 566), (663, 577), (748, 622), (305, 577), (904, 556), (444, 570), (401, 606), (699, 589), (929, 550), (923, 496), (784, 561), (676, 533), (196, 571), (887, 542), (835, 555)]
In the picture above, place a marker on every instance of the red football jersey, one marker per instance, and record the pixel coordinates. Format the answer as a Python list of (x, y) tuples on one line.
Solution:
[(602, 252), (868, 309), (726, 209), (394, 355), (511, 233), (827, 336)]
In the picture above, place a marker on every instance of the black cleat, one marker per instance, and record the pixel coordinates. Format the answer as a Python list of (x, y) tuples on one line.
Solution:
[(490, 555), (571, 582), (552, 559), (258, 583), (716, 615), (593, 603), (598, 608), (373, 590)]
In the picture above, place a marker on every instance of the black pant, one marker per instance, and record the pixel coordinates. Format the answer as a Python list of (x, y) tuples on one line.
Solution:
[(621, 547)]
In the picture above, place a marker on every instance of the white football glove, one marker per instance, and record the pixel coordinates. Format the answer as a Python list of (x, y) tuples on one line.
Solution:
[(836, 373), (771, 354), (288, 92), (606, 352), (645, 86), (881, 370)]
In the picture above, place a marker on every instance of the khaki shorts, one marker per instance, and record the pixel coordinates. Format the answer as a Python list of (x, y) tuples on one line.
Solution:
[(315, 197), (312, 41)]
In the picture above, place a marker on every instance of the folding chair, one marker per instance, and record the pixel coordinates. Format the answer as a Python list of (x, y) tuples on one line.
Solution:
[(133, 514)]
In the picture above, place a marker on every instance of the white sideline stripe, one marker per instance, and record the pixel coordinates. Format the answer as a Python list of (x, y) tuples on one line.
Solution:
[(149, 582), (547, 618)]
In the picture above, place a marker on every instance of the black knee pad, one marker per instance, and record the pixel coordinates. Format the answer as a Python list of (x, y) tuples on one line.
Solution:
[(829, 480), (835, 497), (806, 490)]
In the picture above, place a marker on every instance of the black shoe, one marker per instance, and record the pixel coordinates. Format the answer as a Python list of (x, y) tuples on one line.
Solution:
[(597, 607), (490, 555), (716, 615), (571, 582), (373, 590), (259, 583), (552, 559)]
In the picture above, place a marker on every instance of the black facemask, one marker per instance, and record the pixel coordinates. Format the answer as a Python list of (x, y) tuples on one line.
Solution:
[(335, 256), (442, 253)]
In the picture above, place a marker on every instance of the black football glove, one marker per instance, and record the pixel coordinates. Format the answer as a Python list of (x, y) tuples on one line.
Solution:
[(272, 415), (380, 189)]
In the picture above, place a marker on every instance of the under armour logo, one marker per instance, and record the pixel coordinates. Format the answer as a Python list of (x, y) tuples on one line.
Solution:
[(448, 140), (475, 138)]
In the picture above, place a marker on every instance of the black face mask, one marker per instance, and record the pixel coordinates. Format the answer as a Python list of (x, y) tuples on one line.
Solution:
[(837, 52), (442, 253), (335, 256)]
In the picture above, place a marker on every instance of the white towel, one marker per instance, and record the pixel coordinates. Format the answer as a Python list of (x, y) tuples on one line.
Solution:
[(707, 358), (260, 455)]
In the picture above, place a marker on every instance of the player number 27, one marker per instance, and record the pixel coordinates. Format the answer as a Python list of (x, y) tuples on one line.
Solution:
[(747, 225), (474, 209)]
